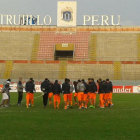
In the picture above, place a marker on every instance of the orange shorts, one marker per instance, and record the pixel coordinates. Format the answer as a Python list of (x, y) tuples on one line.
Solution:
[(50, 95), (57, 98), (80, 96), (92, 95), (66, 97), (88, 94), (106, 96), (30, 96), (75, 94), (70, 96), (110, 96), (85, 97), (101, 98)]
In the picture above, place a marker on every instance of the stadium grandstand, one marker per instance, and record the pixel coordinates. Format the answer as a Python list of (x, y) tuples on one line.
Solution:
[(82, 51)]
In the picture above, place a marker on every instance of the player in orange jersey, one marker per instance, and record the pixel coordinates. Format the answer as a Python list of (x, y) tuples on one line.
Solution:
[(92, 93), (81, 88), (56, 91), (50, 96), (66, 92), (30, 88)]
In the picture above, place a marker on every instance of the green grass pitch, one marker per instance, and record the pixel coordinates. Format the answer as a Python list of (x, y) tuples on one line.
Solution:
[(121, 122)]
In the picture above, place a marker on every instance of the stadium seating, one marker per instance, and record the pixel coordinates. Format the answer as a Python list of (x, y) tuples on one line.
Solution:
[(48, 40), (116, 47), (130, 71), (78, 71), (16, 45), (98, 52), (2, 69), (38, 71)]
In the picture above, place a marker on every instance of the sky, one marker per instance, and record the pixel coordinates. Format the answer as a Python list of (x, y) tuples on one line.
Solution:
[(128, 9)]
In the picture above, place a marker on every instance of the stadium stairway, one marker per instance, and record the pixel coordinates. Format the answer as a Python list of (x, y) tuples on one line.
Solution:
[(117, 70), (35, 47), (62, 69), (92, 47), (8, 69)]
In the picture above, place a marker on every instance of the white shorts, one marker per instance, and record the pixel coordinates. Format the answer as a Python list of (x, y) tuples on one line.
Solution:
[(5, 96)]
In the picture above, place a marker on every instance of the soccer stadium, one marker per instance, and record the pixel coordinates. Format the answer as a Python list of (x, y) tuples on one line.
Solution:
[(76, 52), (70, 51)]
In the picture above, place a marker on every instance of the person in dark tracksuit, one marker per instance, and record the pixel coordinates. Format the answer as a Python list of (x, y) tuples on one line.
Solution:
[(30, 89), (56, 89), (45, 88), (66, 92), (20, 92)]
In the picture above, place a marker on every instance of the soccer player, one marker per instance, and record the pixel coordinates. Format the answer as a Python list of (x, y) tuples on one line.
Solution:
[(30, 89), (56, 91), (81, 88), (101, 92), (66, 92), (92, 93), (85, 93), (8, 89), (20, 91), (5, 97), (45, 88), (108, 93), (50, 93)]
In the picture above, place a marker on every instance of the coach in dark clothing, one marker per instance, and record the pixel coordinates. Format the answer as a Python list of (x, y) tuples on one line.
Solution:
[(20, 92), (45, 88)]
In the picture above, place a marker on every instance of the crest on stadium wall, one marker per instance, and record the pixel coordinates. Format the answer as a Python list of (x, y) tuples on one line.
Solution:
[(67, 14)]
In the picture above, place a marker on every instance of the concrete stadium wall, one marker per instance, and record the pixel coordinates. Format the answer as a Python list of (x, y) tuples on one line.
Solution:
[(70, 69)]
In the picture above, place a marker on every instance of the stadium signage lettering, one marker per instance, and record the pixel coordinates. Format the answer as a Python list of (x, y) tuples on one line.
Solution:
[(122, 89), (25, 20), (47, 20), (101, 20)]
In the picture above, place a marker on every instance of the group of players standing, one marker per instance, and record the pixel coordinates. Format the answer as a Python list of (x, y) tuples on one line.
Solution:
[(84, 93)]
